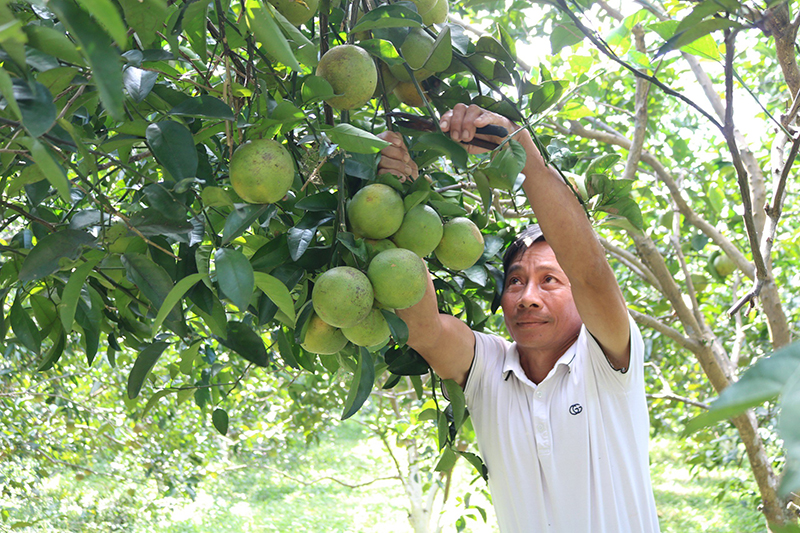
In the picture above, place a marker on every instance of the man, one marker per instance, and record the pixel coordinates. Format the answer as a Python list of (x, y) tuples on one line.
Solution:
[(560, 413)]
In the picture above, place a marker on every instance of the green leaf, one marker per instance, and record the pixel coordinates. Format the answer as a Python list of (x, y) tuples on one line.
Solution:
[(602, 164), (789, 430), (352, 139), (695, 32), (397, 327), (303, 48), (444, 145), (145, 17), (285, 349), (447, 461), (24, 328), (54, 353), (703, 10), (406, 362), (456, 396), (277, 292), (235, 276), (321, 201), (51, 169), (141, 367), (361, 384), (262, 24), (174, 296), (489, 46), (204, 106), (476, 461), (315, 89), (54, 43), (246, 342), (220, 420), (545, 95), (240, 220), (215, 197), (383, 50), (154, 400), (104, 59), (89, 316), (151, 279), (36, 106), (300, 236), (46, 256), (388, 16), (138, 82), (194, 27), (762, 382), (173, 145), (71, 293), (7, 90), (105, 12)]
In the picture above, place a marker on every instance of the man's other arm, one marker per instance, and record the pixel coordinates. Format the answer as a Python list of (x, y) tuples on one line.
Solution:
[(445, 342), (567, 229)]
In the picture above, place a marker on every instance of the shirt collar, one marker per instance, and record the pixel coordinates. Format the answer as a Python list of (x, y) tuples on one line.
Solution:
[(512, 364)]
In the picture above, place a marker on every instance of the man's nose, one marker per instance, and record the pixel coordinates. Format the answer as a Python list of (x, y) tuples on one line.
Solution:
[(530, 296)]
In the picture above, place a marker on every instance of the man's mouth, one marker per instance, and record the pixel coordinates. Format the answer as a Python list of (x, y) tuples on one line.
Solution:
[(530, 321)]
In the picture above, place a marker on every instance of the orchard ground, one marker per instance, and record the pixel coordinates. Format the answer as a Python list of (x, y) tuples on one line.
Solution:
[(251, 494)]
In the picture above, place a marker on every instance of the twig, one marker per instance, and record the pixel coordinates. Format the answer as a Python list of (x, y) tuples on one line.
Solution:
[(604, 48)]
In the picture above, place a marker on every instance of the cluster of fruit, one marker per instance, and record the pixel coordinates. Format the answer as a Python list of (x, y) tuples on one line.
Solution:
[(347, 302), (353, 76)]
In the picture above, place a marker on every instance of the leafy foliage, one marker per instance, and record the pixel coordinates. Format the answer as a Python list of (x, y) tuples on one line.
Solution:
[(126, 251)]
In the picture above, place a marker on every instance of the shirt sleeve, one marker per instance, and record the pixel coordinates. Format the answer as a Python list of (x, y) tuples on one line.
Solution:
[(621, 381), (489, 350)]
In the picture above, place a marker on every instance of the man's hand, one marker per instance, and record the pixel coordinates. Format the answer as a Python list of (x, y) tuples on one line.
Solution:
[(462, 121), (395, 158)]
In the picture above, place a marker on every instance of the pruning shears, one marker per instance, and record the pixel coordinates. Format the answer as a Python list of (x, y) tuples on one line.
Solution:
[(418, 123)]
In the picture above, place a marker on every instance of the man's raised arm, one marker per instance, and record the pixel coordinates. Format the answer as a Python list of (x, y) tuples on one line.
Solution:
[(446, 343), (566, 228)]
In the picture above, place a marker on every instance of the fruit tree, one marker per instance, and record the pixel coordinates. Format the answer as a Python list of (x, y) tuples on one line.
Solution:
[(189, 194)]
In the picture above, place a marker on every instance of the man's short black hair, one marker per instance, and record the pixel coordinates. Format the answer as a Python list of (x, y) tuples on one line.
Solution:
[(522, 242)]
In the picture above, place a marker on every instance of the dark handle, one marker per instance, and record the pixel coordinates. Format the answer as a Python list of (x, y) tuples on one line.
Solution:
[(491, 129)]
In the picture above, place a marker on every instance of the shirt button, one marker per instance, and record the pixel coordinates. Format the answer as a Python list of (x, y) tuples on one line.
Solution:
[(540, 428), (539, 394)]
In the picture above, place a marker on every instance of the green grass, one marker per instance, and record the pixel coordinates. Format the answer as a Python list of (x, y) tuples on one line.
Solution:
[(721, 501), (253, 496)]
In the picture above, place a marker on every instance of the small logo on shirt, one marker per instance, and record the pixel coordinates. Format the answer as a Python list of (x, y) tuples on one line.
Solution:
[(575, 409)]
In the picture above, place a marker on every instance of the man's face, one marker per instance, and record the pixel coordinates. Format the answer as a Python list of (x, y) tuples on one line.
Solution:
[(538, 307)]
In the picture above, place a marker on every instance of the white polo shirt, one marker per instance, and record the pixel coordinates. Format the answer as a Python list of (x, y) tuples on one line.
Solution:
[(571, 454)]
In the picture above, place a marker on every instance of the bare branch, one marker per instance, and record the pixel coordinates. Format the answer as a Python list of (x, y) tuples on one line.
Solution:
[(672, 333), (631, 261), (575, 128)]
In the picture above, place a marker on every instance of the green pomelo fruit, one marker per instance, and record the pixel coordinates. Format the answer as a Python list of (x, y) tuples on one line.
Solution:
[(724, 265), (415, 50), (461, 245), (406, 92), (351, 72), (374, 247), (371, 331), (322, 338), (424, 5), (375, 211), (700, 282), (297, 12), (417, 47), (389, 81), (437, 14), (342, 296), (399, 278), (421, 230), (261, 171)]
